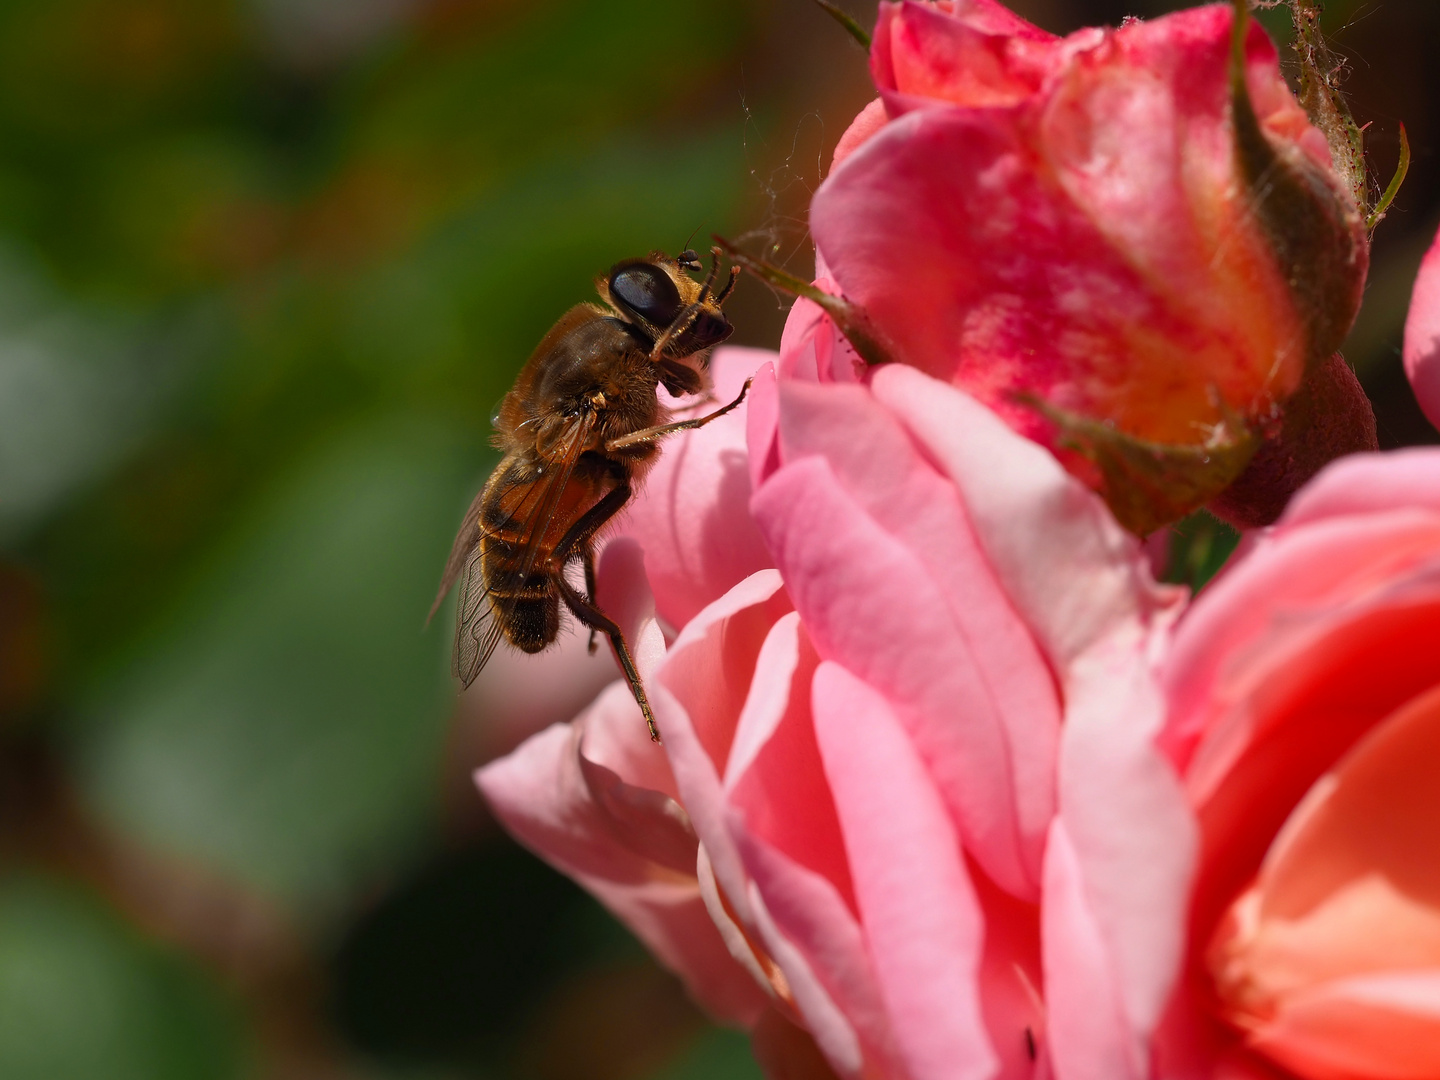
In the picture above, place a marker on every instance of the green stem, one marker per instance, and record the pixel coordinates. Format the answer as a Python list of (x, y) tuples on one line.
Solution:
[(867, 339), (853, 28), (1239, 29), (1395, 181)]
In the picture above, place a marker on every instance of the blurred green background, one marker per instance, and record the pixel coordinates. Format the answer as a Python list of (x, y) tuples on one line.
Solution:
[(265, 268)]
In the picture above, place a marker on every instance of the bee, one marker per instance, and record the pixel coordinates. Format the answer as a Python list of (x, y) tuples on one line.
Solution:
[(579, 429)]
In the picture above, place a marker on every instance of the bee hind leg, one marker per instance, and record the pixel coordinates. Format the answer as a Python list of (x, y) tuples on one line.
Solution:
[(594, 618), (577, 542), (587, 560)]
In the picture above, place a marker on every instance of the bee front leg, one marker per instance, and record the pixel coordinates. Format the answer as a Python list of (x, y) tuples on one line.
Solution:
[(729, 285), (649, 435), (682, 322), (715, 254)]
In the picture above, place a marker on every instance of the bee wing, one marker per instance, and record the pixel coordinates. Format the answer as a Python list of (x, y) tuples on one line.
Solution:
[(569, 446), (477, 629), (467, 542)]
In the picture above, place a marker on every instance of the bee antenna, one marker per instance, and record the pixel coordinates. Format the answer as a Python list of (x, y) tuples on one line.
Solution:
[(687, 259)]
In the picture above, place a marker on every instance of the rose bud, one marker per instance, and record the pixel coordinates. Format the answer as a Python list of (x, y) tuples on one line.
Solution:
[(1133, 244), (1329, 416)]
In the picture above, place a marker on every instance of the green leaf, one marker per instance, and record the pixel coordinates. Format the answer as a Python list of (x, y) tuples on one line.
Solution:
[(1199, 546), (83, 997), (717, 1055), (285, 722)]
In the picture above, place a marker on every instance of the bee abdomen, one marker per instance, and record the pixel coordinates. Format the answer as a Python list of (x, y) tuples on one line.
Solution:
[(527, 608), (531, 623)]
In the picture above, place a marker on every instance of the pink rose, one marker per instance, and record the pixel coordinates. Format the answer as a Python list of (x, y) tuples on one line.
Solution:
[(1304, 695), (1422, 336), (852, 821), (1080, 222)]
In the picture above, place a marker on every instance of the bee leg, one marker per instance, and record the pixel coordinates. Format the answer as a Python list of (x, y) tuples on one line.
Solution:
[(646, 435), (709, 282), (729, 285), (587, 559), (715, 254), (592, 617), (679, 380), (576, 541), (688, 316), (682, 323), (582, 607)]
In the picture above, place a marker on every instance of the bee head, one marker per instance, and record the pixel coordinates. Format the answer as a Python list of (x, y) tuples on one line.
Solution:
[(654, 293)]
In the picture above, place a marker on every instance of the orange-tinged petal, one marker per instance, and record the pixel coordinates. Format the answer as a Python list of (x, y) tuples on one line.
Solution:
[(1378, 1027), (1377, 814), (1347, 902)]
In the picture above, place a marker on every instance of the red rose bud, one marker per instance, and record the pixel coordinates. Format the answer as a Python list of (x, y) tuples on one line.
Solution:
[(1129, 254), (1328, 417)]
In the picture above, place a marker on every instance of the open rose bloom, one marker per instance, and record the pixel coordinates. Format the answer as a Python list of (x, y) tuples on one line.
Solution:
[(1305, 717), (950, 786), (856, 813)]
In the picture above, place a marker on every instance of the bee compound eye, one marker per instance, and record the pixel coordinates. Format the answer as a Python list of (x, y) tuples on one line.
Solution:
[(647, 291)]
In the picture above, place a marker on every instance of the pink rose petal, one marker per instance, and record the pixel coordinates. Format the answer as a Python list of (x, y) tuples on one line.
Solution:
[(1298, 582), (1332, 958), (1368, 483), (815, 941), (541, 795), (696, 699), (1012, 982), (1422, 336), (854, 586), (1377, 1027), (1072, 573), (875, 460), (691, 514), (1132, 837), (922, 54), (1126, 252), (922, 922), (762, 427), (868, 121), (1088, 1037)]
